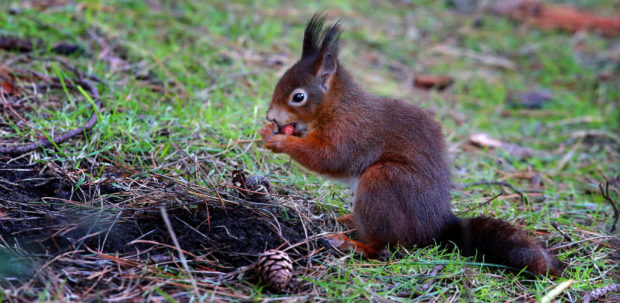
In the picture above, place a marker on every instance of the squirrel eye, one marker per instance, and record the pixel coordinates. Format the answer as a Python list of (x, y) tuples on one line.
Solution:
[(298, 97)]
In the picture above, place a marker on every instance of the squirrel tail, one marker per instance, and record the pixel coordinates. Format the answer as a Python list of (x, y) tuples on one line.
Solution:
[(499, 242)]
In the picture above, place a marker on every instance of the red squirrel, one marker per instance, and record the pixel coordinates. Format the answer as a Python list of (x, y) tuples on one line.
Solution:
[(391, 154)]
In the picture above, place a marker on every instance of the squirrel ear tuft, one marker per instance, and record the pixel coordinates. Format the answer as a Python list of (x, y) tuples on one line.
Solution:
[(327, 56), (317, 40), (331, 39), (312, 35)]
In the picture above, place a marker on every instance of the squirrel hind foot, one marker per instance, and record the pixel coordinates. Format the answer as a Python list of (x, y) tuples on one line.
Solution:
[(344, 243)]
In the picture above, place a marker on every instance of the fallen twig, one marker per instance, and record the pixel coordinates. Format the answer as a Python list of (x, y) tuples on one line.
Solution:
[(480, 205), (484, 140), (45, 142), (8, 105), (500, 183), (433, 276), (564, 235), (599, 292), (164, 215), (557, 291)]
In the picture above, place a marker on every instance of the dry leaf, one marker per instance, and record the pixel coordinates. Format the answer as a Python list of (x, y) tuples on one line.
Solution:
[(7, 87), (432, 81)]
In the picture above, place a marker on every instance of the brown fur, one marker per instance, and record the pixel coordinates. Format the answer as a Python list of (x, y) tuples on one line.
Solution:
[(395, 149)]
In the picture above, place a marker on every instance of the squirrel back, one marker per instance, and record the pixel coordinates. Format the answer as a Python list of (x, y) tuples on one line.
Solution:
[(391, 152)]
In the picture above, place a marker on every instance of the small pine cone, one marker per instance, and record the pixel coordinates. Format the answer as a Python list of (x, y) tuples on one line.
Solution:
[(274, 267), (254, 188)]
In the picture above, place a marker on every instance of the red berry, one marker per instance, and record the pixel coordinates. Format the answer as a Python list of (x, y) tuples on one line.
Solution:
[(288, 129)]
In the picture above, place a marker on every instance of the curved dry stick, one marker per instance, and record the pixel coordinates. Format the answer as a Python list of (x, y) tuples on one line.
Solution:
[(44, 142), (605, 194)]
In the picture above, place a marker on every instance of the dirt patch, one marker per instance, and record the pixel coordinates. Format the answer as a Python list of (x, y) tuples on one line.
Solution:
[(46, 214)]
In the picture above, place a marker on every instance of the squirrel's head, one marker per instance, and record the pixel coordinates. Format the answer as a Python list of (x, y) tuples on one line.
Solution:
[(305, 89)]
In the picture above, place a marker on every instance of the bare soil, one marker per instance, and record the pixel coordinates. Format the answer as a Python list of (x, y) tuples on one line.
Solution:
[(45, 215)]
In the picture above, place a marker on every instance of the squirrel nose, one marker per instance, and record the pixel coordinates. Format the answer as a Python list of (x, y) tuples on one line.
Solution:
[(269, 116), (277, 115)]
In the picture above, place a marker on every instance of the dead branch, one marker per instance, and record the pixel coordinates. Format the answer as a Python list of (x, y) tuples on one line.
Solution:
[(605, 194), (45, 142)]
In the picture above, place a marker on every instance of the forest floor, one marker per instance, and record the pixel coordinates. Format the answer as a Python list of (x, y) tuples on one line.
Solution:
[(169, 194)]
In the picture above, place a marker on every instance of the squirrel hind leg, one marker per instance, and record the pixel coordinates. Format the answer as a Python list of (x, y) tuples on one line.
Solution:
[(344, 243)]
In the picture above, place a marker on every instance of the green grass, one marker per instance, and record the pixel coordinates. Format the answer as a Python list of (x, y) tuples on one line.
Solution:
[(211, 78)]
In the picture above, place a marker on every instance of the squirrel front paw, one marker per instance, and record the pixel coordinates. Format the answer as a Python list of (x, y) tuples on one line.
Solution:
[(275, 143), (269, 130)]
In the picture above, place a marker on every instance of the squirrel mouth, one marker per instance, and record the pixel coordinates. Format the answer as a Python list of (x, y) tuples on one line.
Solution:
[(297, 129)]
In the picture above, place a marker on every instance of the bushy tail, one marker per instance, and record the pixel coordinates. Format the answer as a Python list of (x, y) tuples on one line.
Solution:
[(499, 242)]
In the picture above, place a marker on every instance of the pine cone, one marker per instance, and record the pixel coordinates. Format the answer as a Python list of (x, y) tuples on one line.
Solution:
[(254, 188), (274, 267)]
